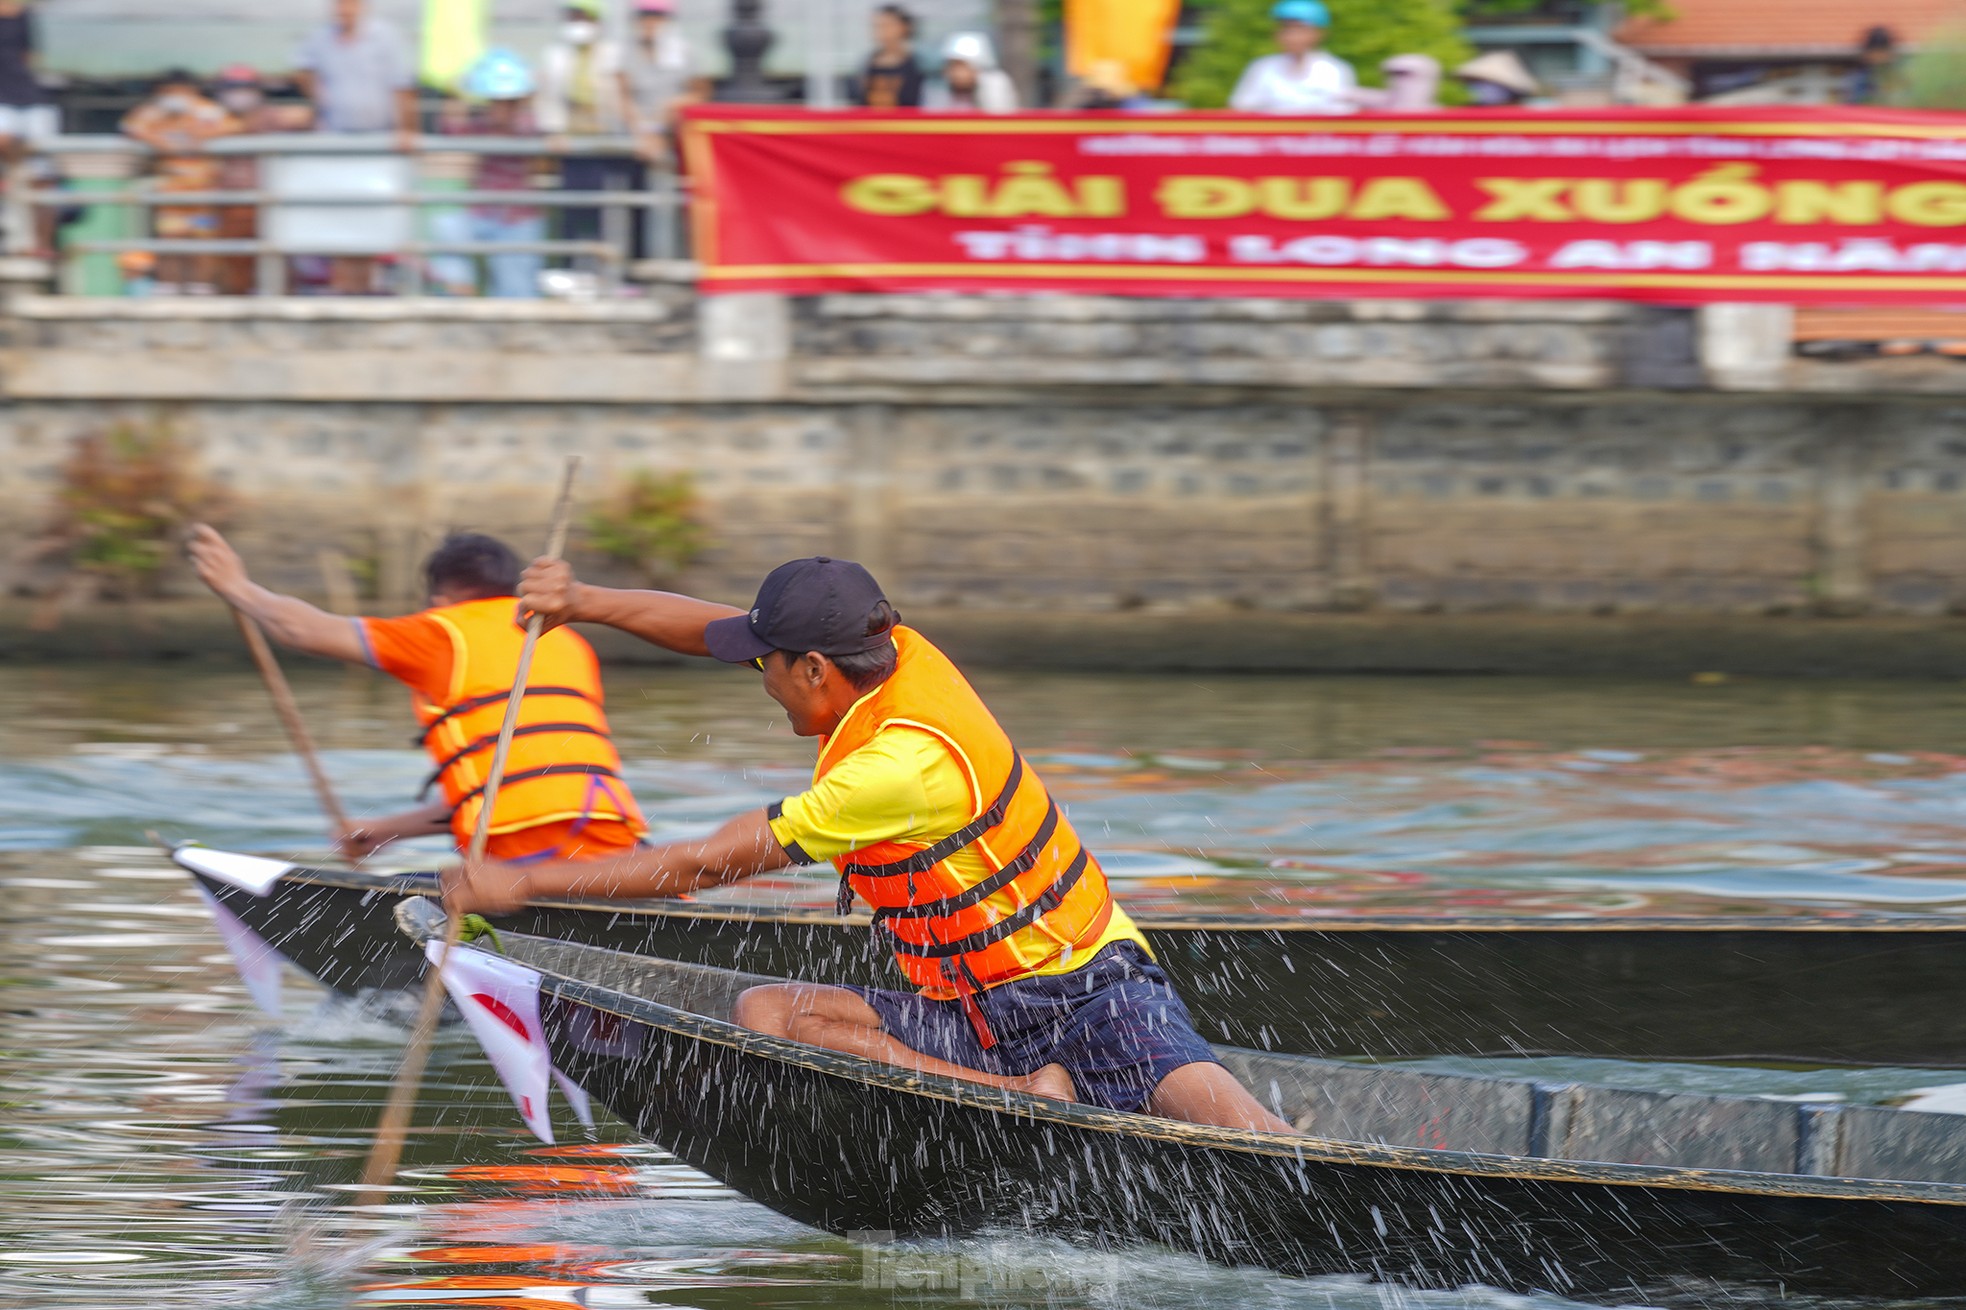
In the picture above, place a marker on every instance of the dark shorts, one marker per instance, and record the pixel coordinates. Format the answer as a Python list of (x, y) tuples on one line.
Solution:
[(1115, 1025)]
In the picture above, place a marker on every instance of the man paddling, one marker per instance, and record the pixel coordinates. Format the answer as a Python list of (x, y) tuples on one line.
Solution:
[(1030, 977), (563, 796)]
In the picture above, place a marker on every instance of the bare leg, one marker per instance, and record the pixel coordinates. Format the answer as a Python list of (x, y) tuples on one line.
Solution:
[(840, 1020), (1206, 1093)]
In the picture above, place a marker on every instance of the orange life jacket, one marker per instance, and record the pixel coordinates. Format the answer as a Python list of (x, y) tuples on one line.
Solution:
[(1045, 895), (563, 766)]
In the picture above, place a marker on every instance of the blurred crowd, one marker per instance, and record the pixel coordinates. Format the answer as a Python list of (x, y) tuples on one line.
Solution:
[(1301, 77), (355, 74), (967, 78), (1304, 78)]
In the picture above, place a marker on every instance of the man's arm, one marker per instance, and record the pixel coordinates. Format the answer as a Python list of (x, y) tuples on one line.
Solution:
[(141, 126), (738, 850), (364, 837), (550, 590), (288, 620)]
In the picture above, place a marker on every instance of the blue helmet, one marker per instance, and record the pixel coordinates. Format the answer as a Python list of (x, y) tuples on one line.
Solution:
[(1301, 11), (499, 75)]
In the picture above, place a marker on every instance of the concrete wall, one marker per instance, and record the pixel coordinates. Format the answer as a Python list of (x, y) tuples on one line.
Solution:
[(1006, 455)]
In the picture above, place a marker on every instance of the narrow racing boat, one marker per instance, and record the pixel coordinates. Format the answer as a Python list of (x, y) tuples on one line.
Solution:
[(1832, 990), (1435, 1181)]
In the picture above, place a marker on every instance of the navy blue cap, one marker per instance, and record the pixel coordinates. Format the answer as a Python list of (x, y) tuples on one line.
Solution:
[(810, 604)]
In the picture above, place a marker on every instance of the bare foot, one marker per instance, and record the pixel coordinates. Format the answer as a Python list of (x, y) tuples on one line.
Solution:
[(1051, 1081)]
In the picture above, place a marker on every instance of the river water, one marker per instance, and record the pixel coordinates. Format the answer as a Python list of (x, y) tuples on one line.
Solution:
[(163, 1144)]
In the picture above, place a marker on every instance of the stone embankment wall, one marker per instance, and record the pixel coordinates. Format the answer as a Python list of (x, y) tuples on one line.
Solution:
[(1005, 455)]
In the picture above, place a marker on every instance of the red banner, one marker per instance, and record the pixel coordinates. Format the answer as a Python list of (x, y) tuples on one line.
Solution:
[(1680, 205)]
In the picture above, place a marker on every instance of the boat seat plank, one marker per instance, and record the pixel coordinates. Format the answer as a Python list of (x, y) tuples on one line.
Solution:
[(711, 993), (1394, 1107), (1616, 1125), (1913, 1145)]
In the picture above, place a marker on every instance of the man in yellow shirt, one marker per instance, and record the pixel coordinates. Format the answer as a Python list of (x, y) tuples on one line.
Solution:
[(1029, 976)]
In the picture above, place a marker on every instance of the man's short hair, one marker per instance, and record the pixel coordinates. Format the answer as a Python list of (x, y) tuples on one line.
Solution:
[(901, 16), (867, 669), (472, 566)]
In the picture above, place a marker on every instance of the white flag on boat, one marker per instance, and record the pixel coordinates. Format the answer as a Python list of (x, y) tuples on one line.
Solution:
[(257, 959), (500, 1000), (252, 873)]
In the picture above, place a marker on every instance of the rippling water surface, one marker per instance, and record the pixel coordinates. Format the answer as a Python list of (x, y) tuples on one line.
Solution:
[(163, 1144)]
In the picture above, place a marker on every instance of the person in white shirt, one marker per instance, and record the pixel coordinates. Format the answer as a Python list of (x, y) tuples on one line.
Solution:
[(971, 81), (1301, 79), (657, 77), (583, 93)]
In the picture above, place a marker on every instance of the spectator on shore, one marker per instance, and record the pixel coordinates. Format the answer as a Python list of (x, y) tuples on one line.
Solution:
[(27, 119), (657, 78), (1497, 80), (356, 72), (1300, 78), (1412, 86), (504, 86), (243, 93), (27, 115), (971, 81), (177, 122), (239, 92), (580, 84), (1107, 88), (1874, 81), (892, 79), (582, 93)]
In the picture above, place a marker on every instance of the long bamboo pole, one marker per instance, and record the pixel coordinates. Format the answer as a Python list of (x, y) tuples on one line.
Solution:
[(387, 1153), (289, 712)]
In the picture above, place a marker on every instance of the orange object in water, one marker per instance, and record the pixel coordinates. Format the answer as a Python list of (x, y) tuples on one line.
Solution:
[(486, 1291), (550, 1177), (1135, 34), (581, 1149)]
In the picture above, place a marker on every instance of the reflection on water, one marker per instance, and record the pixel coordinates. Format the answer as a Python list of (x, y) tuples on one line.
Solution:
[(162, 1144)]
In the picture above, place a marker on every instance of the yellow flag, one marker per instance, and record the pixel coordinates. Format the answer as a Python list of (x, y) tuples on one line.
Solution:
[(453, 39), (1135, 35)]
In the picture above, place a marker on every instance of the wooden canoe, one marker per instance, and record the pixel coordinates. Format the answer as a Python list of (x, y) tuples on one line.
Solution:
[(1435, 1181), (1858, 990)]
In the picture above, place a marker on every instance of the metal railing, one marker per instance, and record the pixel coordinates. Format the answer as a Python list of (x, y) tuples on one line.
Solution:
[(658, 208)]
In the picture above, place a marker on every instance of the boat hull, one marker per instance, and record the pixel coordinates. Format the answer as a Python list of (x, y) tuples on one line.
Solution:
[(868, 1151), (1829, 990)]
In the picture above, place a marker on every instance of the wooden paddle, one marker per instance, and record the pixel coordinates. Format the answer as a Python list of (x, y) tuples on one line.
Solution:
[(387, 1153), (289, 712)]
